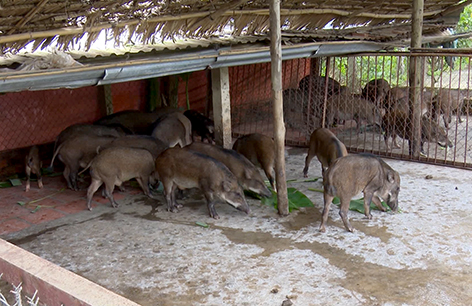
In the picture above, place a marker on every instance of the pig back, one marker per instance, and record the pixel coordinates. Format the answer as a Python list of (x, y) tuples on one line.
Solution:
[(190, 167), (256, 148), (153, 145), (123, 162), (351, 174), (173, 128)]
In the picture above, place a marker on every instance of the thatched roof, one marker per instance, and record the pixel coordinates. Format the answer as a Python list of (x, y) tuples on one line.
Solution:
[(42, 21)]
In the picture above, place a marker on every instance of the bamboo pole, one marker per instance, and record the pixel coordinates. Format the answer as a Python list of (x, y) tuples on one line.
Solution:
[(415, 79), (279, 126)]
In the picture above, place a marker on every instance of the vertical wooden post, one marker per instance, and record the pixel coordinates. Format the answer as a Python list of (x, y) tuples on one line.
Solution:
[(415, 79), (221, 106), (105, 99), (279, 126), (154, 94)]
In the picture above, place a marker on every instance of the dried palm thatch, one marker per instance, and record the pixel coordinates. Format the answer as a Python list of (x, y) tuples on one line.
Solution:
[(67, 22)]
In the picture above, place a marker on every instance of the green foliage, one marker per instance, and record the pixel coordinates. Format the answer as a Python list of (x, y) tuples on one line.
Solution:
[(296, 199), (465, 25)]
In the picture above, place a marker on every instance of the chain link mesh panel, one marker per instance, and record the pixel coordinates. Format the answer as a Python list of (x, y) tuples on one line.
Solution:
[(365, 100)]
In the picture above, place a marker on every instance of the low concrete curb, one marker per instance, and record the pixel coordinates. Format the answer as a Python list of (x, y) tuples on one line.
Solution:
[(55, 285)]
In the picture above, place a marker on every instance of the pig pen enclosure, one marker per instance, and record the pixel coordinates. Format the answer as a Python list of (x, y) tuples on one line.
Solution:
[(419, 256), (337, 95)]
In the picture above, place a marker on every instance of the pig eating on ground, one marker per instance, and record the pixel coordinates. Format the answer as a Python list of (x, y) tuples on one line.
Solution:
[(247, 174), (352, 174), (182, 168), (260, 150)]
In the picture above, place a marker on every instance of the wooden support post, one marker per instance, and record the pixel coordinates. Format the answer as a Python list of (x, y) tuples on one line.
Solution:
[(279, 126), (221, 106), (415, 75), (105, 100), (174, 91), (154, 94)]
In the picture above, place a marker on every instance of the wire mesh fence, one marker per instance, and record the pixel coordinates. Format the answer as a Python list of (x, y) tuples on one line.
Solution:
[(365, 100)]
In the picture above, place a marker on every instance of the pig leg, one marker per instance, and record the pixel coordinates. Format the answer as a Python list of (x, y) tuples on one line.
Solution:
[(28, 174), (66, 174), (91, 190), (343, 213), (309, 157), (367, 199), (144, 183), (170, 197), (40, 179), (211, 206), (327, 203), (378, 203), (74, 169), (109, 193)]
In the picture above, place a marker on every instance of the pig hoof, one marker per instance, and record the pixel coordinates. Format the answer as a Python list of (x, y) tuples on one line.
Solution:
[(216, 217), (179, 205), (322, 230)]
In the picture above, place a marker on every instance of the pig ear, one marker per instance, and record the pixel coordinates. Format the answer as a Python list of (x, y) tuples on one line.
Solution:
[(226, 186), (247, 173), (390, 177)]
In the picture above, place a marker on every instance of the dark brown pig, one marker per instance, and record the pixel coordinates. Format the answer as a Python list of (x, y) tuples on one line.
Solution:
[(376, 91), (399, 124), (88, 129), (347, 107), (202, 126), (448, 101), (318, 85), (184, 169), (260, 150), (116, 165), (398, 99), (352, 174), (33, 165), (246, 173), (173, 129), (138, 122), (77, 152), (326, 146), (153, 145)]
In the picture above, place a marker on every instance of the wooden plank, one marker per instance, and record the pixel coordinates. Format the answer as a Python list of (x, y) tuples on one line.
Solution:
[(221, 107), (279, 126)]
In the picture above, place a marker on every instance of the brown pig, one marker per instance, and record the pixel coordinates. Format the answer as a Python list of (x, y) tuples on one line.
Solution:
[(448, 101), (352, 174), (346, 106), (260, 150), (87, 129), (246, 173), (172, 129), (116, 165), (153, 145), (135, 121), (326, 146), (376, 91), (396, 123), (77, 152), (183, 168), (33, 165)]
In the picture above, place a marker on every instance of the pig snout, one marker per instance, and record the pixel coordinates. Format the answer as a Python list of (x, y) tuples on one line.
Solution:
[(237, 200), (260, 188), (392, 202)]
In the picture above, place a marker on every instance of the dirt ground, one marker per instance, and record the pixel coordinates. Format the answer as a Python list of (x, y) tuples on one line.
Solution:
[(418, 256)]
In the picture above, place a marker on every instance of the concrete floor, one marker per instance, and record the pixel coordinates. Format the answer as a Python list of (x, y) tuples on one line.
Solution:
[(419, 256)]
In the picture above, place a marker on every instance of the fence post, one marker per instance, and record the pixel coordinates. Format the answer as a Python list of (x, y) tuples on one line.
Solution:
[(105, 100), (221, 106), (279, 126), (415, 79)]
